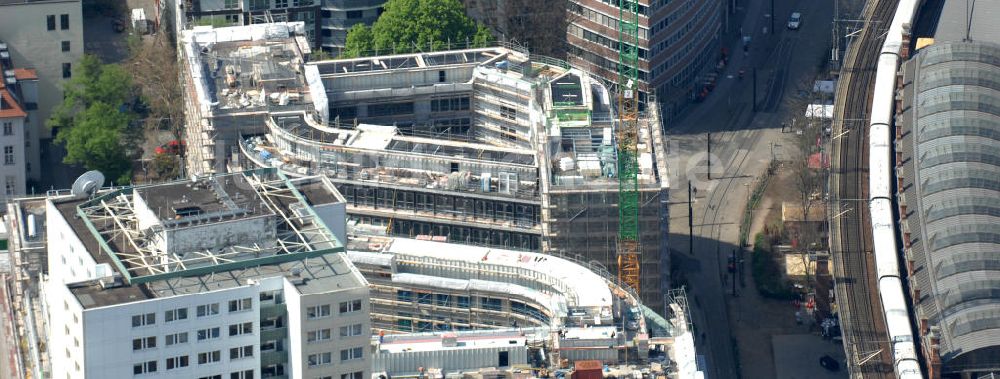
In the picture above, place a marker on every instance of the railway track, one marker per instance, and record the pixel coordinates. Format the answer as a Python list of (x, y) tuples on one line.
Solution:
[(859, 305)]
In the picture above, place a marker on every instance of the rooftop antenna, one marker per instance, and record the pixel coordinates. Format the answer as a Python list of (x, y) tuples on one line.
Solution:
[(88, 184), (968, 19)]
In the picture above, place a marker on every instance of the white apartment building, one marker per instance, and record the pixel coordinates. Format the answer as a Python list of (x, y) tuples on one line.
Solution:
[(18, 113), (233, 276), (46, 36)]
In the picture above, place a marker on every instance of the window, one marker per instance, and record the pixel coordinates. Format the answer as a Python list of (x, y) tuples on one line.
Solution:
[(272, 295), (248, 374), (240, 305), (441, 76), (65, 46), (272, 323), (211, 377), (390, 109), (50, 21), (144, 319), (318, 311), (143, 343), (8, 155), (424, 297), (175, 314), (442, 300), (491, 304), (10, 185), (8, 128), (270, 345), (351, 15), (463, 301), (318, 335), (144, 368), (177, 362), (281, 3), (319, 359), (241, 352), (508, 112), (351, 354), (353, 375), (231, 4), (240, 329), (350, 331), (209, 357), (350, 306), (67, 70), (207, 334), (404, 296), (258, 5), (208, 310), (177, 338)]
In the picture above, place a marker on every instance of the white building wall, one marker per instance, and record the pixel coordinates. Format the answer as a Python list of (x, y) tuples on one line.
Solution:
[(334, 215), (12, 173), (300, 325), (109, 334), (66, 331), (24, 27), (68, 259)]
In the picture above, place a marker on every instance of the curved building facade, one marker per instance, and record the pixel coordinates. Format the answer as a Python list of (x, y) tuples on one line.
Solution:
[(951, 165), (677, 37)]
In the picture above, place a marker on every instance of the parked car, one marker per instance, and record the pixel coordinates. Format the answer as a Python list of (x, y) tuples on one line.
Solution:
[(795, 21), (829, 363)]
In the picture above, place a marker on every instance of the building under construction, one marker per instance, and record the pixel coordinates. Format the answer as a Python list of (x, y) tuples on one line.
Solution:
[(489, 146)]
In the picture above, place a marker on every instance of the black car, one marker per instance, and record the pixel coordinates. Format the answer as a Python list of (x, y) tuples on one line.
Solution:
[(829, 363)]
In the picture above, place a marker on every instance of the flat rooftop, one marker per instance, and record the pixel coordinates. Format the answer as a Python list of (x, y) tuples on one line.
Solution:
[(975, 21), (588, 288), (250, 68), (404, 61), (403, 343), (186, 202), (308, 250)]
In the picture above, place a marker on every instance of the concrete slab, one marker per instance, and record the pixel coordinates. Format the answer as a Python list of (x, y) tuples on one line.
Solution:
[(796, 356)]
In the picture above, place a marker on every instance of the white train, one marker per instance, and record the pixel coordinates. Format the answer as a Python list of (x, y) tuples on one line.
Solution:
[(880, 194)]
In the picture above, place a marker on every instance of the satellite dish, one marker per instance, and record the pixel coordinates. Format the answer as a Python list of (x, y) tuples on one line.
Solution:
[(88, 183)]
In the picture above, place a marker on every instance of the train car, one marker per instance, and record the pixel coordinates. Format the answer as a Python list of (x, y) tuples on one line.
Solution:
[(880, 194), (884, 238), (898, 321)]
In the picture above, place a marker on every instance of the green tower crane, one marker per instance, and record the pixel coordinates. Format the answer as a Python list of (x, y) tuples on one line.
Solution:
[(627, 135)]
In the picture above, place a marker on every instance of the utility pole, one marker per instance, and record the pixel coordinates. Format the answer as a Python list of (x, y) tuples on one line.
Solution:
[(732, 269), (709, 139), (772, 17), (690, 221), (755, 89)]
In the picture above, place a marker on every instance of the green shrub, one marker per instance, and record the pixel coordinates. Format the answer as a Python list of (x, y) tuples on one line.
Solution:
[(767, 272)]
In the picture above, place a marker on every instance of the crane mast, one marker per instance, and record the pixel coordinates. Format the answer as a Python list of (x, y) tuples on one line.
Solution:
[(627, 135)]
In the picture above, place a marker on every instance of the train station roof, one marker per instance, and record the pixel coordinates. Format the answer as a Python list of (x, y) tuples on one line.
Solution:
[(952, 183)]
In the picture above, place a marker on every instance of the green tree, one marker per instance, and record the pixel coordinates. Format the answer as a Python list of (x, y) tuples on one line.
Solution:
[(94, 117), (95, 141), (359, 41), (417, 25)]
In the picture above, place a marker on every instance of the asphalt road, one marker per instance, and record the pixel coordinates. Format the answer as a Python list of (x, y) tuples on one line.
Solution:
[(741, 146)]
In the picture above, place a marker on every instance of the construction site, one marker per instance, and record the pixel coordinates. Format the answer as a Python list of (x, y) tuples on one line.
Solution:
[(492, 147)]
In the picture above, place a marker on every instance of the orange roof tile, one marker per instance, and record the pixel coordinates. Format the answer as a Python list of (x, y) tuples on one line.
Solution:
[(25, 74), (10, 107)]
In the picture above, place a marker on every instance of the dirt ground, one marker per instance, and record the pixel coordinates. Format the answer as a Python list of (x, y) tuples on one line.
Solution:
[(757, 320)]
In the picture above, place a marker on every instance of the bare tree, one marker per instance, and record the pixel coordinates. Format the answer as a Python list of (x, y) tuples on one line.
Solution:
[(809, 182), (155, 71)]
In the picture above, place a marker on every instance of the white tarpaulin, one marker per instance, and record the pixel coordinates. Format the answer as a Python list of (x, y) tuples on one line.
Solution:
[(819, 111), (824, 86)]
